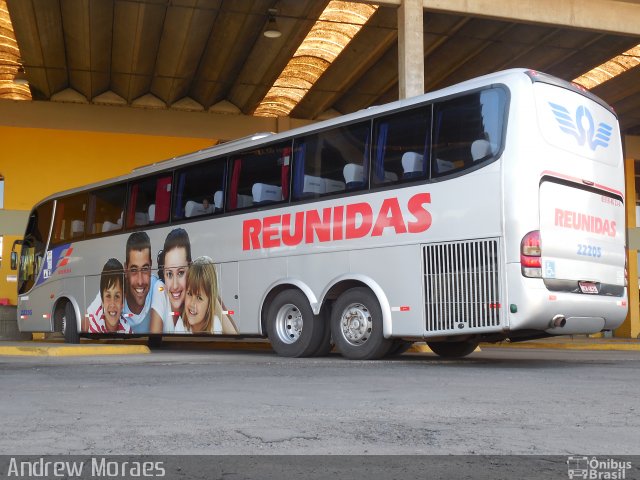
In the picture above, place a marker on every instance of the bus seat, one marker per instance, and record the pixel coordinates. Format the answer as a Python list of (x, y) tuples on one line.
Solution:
[(141, 218), (412, 165), (333, 185), (444, 165), (152, 212), (193, 209), (314, 185), (244, 201), (480, 149), (77, 228), (353, 176), (218, 199), (390, 176), (265, 193), (108, 226)]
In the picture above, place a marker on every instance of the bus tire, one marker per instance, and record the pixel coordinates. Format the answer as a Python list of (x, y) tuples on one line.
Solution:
[(154, 341), (325, 345), (453, 349), (293, 329), (356, 325), (70, 325)]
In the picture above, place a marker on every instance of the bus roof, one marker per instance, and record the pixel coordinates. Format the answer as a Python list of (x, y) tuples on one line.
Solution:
[(266, 138)]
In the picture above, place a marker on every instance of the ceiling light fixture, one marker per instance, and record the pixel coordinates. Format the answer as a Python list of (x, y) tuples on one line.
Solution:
[(338, 24), (21, 77), (271, 30)]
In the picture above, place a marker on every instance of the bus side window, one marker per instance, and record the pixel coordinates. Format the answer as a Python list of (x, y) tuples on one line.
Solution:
[(69, 221), (401, 143), (149, 201), (467, 130), (199, 190), (331, 161), (260, 177), (106, 210)]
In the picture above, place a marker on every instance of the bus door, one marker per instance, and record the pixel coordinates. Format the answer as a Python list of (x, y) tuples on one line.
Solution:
[(229, 288)]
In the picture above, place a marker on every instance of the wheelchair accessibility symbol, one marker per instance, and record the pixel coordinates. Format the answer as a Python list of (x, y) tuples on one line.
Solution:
[(550, 269)]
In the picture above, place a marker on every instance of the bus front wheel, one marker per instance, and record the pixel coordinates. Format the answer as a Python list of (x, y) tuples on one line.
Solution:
[(292, 327), (70, 325), (453, 349), (356, 325)]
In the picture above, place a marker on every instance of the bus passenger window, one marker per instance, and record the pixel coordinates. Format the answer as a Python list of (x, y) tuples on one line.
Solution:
[(149, 201), (260, 177), (401, 144), (467, 130), (331, 161), (199, 190), (106, 210), (69, 221)]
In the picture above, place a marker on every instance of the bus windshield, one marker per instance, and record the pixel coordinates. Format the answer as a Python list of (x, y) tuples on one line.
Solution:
[(33, 246)]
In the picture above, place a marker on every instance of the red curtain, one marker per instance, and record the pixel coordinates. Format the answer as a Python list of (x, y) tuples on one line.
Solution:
[(235, 180), (163, 199), (284, 172), (133, 200)]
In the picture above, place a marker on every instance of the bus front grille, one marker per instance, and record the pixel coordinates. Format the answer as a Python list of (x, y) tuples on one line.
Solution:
[(462, 286)]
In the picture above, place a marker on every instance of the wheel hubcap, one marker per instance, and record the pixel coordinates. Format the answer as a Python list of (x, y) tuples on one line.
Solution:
[(289, 323), (356, 324)]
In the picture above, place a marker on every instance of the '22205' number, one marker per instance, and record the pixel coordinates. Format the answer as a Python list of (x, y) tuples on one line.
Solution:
[(589, 251)]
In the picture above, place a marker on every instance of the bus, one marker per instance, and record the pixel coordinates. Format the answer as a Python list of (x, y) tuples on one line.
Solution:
[(485, 211)]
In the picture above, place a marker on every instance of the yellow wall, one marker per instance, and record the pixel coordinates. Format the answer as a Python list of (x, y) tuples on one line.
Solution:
[(38, 162)]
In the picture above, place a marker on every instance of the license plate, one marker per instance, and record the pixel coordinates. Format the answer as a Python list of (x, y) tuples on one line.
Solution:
[(588, 287)]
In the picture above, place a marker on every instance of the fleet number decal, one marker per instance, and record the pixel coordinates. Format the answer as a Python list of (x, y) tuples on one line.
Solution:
[(589, 251)]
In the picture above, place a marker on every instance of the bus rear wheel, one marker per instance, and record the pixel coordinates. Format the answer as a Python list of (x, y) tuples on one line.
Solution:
[(453, 349), (70, 325), (292, 327), (356, 325)]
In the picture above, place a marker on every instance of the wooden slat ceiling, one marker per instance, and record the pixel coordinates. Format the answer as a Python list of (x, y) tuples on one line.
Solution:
[(196, 54)]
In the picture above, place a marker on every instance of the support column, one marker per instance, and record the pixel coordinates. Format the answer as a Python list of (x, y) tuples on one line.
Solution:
[(631, 326), (410, 49)]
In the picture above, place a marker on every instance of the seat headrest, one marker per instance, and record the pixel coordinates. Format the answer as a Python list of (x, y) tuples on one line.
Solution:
[(353, 173), (313, 184), (411, 162), (263, 192), (480, 149), (218, 198)]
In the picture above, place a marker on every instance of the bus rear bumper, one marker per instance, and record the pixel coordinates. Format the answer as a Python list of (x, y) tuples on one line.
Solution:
[(533, 306)]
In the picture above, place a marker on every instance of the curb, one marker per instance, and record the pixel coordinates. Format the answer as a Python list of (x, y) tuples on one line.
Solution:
[(568, 346), (72, 350)]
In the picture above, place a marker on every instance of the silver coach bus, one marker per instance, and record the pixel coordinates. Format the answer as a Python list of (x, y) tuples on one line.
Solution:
[(488, 210)]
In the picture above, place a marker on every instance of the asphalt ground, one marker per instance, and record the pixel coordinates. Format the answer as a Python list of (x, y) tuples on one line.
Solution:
[(57, 348)]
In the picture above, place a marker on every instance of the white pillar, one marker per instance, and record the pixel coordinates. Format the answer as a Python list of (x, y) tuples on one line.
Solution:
[(410, 49)]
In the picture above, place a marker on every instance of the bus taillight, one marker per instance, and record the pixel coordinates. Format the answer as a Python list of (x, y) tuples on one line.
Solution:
[(530, 255)]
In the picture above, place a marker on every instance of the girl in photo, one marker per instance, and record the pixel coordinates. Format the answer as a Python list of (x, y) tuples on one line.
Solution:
[(173, 265), (202, 309)]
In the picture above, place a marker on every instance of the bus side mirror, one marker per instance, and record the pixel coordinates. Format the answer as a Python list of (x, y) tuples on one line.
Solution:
[(14, 260)]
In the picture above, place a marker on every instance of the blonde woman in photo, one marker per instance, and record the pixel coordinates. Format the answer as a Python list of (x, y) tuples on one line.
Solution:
[(202, 309)]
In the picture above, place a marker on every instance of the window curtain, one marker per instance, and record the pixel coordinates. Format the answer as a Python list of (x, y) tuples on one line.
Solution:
[(235, 180)]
